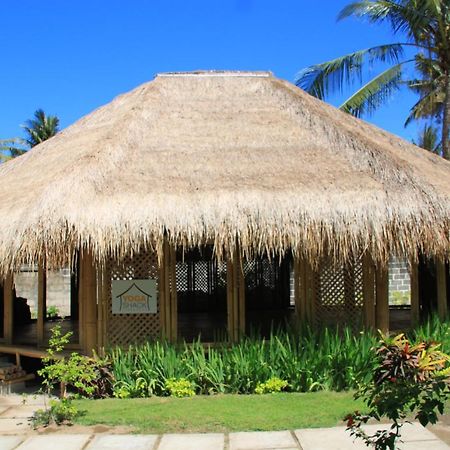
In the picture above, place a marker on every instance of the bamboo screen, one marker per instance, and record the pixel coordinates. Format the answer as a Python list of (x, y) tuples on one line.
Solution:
[(124, 329), (339, 294)]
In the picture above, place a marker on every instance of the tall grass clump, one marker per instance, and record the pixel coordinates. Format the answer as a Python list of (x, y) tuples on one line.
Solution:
[(332, 359), (435, 330), (307, 360)]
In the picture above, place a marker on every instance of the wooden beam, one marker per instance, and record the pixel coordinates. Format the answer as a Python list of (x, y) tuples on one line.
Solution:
[(8, 310), (415, 299), (382, 298), (441, 289), (42, 302), (369, 292), (88, 285)]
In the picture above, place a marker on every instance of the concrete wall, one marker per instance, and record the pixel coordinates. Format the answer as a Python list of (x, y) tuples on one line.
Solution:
[(58, 289), (399, 282)]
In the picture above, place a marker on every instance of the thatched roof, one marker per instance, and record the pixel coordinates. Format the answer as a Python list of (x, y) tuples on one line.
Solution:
[(225, 157)]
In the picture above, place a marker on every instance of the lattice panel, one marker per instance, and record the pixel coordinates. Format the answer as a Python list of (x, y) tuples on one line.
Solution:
[(200, 280), (125, 329), (339, 294), (261, 272)]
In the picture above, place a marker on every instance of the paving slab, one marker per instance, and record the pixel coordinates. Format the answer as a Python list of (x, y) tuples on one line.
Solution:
[(323, 438), (13, 426), (423, 445), (414, 436), (9, 442), (207, 441), (410, 432), (262, 440), (123, 442), (18, 412), (56, 442), (16, 399)]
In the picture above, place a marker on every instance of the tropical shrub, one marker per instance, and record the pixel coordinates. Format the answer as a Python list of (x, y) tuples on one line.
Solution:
[(180, 388), (60, 412), (89, 377), (408, 379), (271, 386)]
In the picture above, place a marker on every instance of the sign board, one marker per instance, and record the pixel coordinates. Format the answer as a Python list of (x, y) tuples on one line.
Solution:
[(134, 296)]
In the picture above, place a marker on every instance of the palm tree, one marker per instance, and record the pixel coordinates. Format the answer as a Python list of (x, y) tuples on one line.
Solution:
[(429, 139), (37, 130), (425, 24), (41, 128), (10, 148)]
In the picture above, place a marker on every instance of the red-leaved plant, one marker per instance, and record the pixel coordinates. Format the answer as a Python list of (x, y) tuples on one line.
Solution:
[(409, 380)]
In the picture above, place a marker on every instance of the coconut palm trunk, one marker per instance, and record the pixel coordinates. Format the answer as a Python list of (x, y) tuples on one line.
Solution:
[(446, 121)]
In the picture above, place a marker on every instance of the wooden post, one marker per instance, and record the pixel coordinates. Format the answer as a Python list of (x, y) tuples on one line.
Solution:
[(382, 298), (297, 289), (88, 284), (101, 295), (162, 296), (241, 297), (235, 298), (106, 286), (8, 310), (415, 302), (167, 303), (310, 293), (42, 302), (441, 289), (173, 294), (230, 292), (369, 292)]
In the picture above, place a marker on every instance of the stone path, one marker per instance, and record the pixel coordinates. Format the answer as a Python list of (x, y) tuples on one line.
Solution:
[(15, 434), (416, 438)]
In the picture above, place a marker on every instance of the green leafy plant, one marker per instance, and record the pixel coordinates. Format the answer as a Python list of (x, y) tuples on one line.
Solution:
[(88, 376), (271, 386), (308, 360), (400, 298), (180, 387), (408, 379), (52, 312), (59, 412)]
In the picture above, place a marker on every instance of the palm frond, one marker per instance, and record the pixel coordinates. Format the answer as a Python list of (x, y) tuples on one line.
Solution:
[(41, 128), (10, 148), (321, 79), (429, 139), (409, 17), (375, 93), (430, 105)]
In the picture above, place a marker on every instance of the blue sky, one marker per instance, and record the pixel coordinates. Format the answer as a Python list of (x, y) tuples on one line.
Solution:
[(69, 57)]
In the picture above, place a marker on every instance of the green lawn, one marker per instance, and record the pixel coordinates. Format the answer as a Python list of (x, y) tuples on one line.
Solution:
[(222, 412)]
